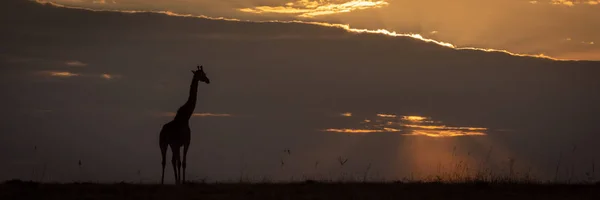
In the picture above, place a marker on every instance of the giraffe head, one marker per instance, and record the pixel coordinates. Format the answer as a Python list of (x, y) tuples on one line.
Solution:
[(199, 75)]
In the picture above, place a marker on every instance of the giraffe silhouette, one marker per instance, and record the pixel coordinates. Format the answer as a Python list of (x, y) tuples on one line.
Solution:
[(177, 132)]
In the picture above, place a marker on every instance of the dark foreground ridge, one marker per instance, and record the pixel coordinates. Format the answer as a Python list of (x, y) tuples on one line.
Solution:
[(302, 190)]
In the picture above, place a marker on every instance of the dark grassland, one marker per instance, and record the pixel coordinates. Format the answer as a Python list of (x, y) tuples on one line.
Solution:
[(301, 190)]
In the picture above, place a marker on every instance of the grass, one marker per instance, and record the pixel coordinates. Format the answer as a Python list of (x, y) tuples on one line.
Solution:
[(457, 179), (16, 189)]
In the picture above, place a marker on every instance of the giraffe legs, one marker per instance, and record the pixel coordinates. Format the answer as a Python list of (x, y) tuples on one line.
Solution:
[(163, 151), (185, 150), (176, 162), (178, 168)]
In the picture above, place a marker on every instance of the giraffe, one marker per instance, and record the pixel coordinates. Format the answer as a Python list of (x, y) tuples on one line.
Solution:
[(177, 132)]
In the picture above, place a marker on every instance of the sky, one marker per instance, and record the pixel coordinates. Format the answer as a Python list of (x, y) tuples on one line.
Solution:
[(96, 87), (563, 29)]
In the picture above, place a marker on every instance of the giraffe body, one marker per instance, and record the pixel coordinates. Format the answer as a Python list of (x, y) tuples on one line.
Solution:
[(177, 133)]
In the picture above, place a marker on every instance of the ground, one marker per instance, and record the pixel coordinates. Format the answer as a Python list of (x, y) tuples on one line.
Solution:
[(304, 190)]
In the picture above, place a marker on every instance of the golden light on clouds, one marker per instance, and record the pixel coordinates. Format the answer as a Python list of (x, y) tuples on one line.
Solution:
[(574, 2), (67, 74), (76, 63), (110, 76), (420, 37), (411, 125), (61, 73), (444, 133), (414, 118), (346, 114), (349, 130), (443, 127), (349, 5), (107, 76), (169, 13), (307, 8), (386, 115)]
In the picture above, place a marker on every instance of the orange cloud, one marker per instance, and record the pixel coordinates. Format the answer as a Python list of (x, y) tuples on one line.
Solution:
[(76, 63), (109, 76), (333, 25), (573, 2), (61, 73), (446, 133), (411, 125), (443, 127), (386, 115), (307, 8), (350, 130), (417, 119)]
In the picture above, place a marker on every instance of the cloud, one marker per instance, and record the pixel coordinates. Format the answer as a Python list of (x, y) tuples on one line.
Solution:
[(349, 130), (574, 2), (345, 27), (410, 125), (346, 114), (109, 76), (99, 1), (445, 133), (416, 119), (67, 74), (60, 73), (443, 127), (386, 115), (404, 18), (75, 63), (307, 8)]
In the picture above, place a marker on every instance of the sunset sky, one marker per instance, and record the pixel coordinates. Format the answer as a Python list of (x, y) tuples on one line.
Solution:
[(407, 88), (565, 29)]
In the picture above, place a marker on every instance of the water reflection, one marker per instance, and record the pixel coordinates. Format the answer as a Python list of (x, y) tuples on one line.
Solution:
[(409, 125)]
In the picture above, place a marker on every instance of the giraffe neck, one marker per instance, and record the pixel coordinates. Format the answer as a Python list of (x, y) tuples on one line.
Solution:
[(186, 111), (193, 94)]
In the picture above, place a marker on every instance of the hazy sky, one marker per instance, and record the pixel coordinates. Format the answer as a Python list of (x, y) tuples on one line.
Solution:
[(566, 29), (98, 86)]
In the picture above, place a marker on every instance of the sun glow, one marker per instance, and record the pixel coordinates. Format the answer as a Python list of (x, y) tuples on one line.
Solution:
[(306, 8)]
